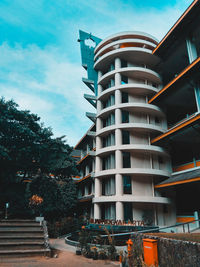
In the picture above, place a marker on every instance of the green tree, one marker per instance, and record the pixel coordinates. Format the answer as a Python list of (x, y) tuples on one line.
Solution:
[(28, 150)]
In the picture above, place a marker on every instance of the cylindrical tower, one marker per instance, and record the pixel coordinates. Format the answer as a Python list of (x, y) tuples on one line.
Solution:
[(127, 165)]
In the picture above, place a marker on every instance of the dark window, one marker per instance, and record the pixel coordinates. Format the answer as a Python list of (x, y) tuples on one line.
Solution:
[(89, 189), (160, 160), (125, 116), (124, 80), (125, 137), (103, 187), (124, 64), (128, 213), (124, 97), (157, 120), (126, 160), (127, 185)]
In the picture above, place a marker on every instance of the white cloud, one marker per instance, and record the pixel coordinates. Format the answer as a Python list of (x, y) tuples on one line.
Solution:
[(44, 82)]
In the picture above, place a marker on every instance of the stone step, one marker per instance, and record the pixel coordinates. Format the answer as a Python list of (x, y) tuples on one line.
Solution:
[(18, 221), (25, 253), (20, 229), (18, 239), (22, 246), (19, 234), (21, 243), (36, 224)]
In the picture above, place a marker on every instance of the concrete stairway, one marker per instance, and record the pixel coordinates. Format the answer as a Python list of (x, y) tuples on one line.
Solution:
[(22, 238)]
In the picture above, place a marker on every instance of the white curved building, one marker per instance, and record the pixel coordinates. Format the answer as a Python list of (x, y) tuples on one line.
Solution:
[(127, 165)]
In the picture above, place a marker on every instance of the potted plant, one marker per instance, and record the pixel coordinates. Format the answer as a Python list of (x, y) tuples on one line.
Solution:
[(34, 202), (78, 250), (94, 252)]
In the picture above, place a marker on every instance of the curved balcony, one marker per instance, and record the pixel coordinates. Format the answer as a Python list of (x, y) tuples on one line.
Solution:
[(124, 43), (130, 198), (133, 107), (139, 148), (126, 35), (144, 172), (138, 127), (132, 72), (137, 88), (137, 55)]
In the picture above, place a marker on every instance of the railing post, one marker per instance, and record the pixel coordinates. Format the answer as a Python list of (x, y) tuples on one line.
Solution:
[(188, 227)]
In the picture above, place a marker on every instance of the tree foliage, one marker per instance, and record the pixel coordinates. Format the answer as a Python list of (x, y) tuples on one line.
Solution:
[(28, 150)]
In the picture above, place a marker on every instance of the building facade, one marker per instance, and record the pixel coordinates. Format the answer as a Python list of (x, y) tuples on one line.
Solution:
[(146, 133)]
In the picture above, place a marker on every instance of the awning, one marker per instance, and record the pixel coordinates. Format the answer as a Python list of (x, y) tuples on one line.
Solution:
[(181, 178)]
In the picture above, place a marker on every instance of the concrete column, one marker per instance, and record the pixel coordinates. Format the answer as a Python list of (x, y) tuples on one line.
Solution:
[(98, 164), (118, 159), (98, 124), (97, 211), (118, 98), (118, 116), (87, 170), (98, 143), (97, 187), (99, 106), (100, 89), (119, 184), (117, 79), (118, 137), (191, 49), (119, 211), (86, 190), (117, 63), (99, 74)]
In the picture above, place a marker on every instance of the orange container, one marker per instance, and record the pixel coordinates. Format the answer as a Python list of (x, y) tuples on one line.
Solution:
[(150, 252)]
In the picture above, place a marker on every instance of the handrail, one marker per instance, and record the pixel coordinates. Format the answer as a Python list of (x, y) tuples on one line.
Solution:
[(153, 229)]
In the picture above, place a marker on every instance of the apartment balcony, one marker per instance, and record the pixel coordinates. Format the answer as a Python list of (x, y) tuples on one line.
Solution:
[(139, 127), (86, 155), (133, 107), (137, 148), (86, 198), (137, 88), (135, 54), (132, 72), (132, 198), (122, 44), (145, 172), (85, 177)]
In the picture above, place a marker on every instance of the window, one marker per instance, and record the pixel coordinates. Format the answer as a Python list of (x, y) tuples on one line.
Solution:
[(157, 120), (109, 102), (109, 84), (89, 189), (128, 213), (125, 116), (125, 137), (109, 140), (127, 185), (110, 213), (124, 64), (110, 120), (160, 160), (108, 186), (108, 162), (124, 97), (112, 67), (124, 80), (126, 160)]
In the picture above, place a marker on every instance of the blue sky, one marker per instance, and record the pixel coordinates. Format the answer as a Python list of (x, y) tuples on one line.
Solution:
[(40, 65)]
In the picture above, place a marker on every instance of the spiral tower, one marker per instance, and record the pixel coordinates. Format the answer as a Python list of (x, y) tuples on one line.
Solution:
[(127, 165)]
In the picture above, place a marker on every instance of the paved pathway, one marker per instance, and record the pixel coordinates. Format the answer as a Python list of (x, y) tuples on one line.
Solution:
[(66, 258)]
